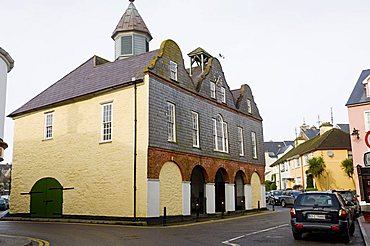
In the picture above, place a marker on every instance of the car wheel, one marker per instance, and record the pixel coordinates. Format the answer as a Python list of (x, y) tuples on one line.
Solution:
[(283, 204), (352, 229), (297, 235)]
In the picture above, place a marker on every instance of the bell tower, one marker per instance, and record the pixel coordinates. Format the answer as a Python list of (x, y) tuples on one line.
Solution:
[(131, 35)]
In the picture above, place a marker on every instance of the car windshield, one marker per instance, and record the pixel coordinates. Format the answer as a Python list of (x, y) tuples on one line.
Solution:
[(277, 192), (347, 195), (317, 200)]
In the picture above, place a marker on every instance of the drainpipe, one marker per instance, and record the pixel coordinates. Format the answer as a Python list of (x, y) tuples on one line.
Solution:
[(135, 144)]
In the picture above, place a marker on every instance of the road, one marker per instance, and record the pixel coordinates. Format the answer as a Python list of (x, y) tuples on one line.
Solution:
[(271, 228)]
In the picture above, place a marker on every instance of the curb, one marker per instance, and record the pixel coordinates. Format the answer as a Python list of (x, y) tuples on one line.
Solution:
[(363, 231)]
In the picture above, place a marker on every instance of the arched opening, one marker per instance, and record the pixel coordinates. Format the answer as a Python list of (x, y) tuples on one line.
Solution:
[(198, 199), (170, 183), (256, 190), (220, 191), (239, 191), (46, 198)]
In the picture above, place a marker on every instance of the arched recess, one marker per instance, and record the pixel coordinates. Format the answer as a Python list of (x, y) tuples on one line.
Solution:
[(46, 198), (198, 190), (170, 183), (220, 178), (256, 190), (239, 191)]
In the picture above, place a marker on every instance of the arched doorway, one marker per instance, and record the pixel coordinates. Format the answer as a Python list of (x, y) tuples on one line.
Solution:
[(220, 191), (198, 182), (239, 191), (256, 190), (46, 198)]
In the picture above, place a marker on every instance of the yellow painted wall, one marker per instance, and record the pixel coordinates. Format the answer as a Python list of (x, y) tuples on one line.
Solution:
[(170, 183), (256, 190), (100, 173), (334, 177)]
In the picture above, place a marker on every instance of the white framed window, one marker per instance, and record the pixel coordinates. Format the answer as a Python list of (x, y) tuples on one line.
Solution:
[(195, 128), (220, 135), (249, 106), (223, 94), (298, 181), (48, 125), (367, 120), (254, 145), (173, 70), (241, 141), (171, 122), (297, 162), (213, 89), (106, 123), (305, 159)]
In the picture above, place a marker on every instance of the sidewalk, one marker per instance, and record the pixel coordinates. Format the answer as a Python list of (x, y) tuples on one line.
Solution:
[(365, 230)]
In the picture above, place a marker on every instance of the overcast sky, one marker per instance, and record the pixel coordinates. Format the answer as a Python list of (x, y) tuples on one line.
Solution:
[(300, 57)]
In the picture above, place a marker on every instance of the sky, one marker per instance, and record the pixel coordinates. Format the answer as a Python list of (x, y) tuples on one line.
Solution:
[(300, 58)]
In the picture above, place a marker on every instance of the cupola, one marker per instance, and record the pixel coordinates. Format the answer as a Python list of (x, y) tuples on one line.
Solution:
[(131, 35), (200, 57)]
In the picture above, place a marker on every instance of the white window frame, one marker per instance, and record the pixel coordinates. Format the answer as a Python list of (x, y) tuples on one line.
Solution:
[(171, 122), (367, 120), (213, 89), (241, 141), (220, 127), (297, 162), (48, 125), (195, 128), (299, 181), (223, 94), (249, 106), (254, 145), (173, 70), (106, 132)]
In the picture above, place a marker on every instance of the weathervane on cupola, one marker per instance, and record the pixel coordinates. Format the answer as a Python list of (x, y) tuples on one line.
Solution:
[(131, 35)]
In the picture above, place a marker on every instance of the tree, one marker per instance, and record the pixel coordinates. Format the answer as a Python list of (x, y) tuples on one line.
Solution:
[(347, 166), (316, 166)]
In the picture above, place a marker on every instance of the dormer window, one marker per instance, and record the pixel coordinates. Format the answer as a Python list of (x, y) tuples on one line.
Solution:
[(249, 106), (213, 89), (366, 84), (173, 70), (223, 94)]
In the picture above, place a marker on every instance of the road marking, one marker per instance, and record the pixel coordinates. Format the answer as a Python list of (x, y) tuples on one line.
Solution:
[(228, 242), (37, 240)]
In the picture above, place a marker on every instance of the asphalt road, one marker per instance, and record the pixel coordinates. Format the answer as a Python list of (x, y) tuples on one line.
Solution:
[(271, 228)]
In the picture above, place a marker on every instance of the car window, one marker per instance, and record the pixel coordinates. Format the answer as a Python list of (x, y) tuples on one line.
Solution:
[(347, 195), (277, 192), (321, 200)]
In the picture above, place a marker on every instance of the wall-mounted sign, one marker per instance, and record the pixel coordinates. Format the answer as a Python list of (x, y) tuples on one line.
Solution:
[(367, 139), (367, 159)]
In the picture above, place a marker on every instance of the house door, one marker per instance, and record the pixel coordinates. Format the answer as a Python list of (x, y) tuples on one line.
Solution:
[(46, 198)]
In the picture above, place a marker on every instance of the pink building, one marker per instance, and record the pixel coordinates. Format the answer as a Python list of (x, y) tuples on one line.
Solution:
[(359, 120)]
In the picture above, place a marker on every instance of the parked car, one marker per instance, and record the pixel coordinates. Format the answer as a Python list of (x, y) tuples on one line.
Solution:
[(4, 204), (322, 212), (274, 198), (351, 198), (288, 197)]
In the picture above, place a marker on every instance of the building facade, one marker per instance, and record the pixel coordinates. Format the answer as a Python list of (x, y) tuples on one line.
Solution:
[(144, 131), (358, 106), (333, 145), (6, 65)]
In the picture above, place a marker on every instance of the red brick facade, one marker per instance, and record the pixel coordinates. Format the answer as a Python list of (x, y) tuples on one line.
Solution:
[(187, 162)]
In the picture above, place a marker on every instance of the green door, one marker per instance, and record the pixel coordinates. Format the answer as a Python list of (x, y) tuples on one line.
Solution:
[(46, 198)]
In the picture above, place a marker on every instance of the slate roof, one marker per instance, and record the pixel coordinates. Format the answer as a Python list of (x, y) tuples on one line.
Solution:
[(276, 148), (96, 74), (344, 127), (332, 139), (358, 95), (131, 21), (311, 132)]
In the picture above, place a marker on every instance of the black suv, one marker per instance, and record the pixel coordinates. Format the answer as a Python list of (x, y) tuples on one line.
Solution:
[(322, 212)]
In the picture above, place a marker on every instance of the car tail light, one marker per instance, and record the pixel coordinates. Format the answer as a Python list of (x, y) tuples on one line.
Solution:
[(299, 226), (343, 214), (292, 213), (335, 228)]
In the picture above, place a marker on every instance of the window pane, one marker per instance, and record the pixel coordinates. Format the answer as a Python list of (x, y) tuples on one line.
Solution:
[(126, 45)]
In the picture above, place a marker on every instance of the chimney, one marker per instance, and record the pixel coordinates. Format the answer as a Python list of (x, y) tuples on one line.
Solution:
[(326, 126), (299, 140)]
